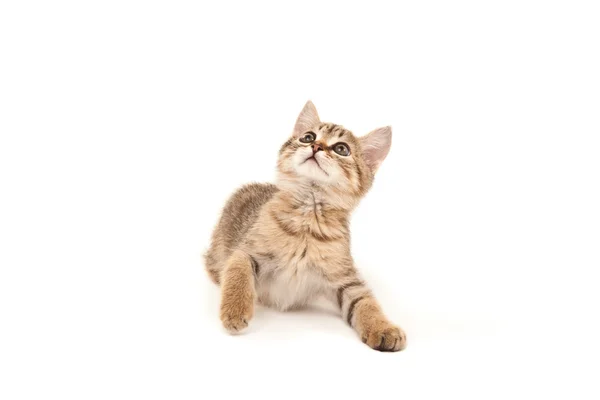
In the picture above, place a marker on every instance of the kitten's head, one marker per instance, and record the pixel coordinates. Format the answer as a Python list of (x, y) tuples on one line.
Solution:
[(325, 154)]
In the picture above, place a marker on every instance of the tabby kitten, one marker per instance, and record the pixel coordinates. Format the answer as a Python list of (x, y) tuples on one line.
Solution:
[(286, 244)]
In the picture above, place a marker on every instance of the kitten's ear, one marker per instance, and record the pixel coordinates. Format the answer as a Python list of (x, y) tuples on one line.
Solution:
[(376, 146), (307, 119)]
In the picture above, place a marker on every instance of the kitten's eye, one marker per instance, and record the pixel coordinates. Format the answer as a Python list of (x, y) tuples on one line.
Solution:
[(342, 149), (308, 137)]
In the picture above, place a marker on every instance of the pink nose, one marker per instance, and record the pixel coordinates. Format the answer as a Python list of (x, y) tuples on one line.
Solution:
[(316, 147)]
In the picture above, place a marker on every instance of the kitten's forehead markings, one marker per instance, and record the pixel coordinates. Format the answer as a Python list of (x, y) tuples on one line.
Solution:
[(323, 129), (337, 130), (327, 131)]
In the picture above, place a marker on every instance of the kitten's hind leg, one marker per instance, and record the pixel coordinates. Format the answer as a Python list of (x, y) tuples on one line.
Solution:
[(212, 267), (237, 291)]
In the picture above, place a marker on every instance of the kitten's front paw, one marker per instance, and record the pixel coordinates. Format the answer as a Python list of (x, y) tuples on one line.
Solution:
[(236, 314), (384, 336)]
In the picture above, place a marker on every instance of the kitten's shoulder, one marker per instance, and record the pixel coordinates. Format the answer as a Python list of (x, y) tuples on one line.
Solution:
[(246, 202), (240, 212), (254, 192)]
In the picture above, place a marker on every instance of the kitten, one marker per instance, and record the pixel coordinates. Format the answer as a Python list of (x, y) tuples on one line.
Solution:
[(286, 244)]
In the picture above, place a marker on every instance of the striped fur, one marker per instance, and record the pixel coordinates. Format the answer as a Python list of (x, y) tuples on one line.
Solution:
[(283, 245)]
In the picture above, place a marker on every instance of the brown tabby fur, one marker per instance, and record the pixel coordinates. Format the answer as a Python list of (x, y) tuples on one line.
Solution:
[(286, 244)]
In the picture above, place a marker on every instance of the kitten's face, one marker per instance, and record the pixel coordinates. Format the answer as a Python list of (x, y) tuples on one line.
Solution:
[(325, 153), (328, 154)]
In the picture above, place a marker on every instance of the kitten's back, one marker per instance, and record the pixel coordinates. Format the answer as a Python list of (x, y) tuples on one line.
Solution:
[(239, 214)]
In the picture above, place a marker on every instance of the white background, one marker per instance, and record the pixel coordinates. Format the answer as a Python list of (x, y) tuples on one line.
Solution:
[(125, 126)]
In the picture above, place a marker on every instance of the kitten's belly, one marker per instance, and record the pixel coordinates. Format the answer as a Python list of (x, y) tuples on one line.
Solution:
[(289, 287)]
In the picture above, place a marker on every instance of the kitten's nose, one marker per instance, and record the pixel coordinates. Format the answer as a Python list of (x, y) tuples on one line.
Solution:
[(316, 147)]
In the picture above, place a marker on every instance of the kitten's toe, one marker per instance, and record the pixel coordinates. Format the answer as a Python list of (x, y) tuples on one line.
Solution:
[(401, 342)]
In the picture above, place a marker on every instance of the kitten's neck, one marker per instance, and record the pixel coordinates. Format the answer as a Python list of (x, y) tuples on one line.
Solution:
[(314, 210)]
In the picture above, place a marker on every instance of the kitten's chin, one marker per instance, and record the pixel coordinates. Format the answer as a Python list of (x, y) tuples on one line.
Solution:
[(311, 170), (299, 177)]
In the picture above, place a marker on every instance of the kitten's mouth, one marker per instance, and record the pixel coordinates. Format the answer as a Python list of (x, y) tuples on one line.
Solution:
[(317, 162)]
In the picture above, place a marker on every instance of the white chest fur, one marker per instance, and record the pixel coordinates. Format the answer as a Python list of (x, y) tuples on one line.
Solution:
[(288, 287), (290, 279)]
